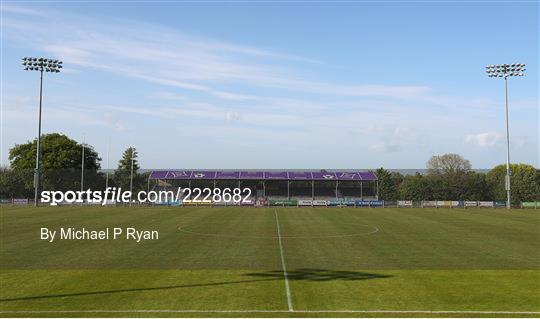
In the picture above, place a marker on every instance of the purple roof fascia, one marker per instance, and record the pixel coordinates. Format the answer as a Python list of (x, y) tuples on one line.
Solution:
[(276, 175), (205, 175), (324, 176), (300, 176), (261, 175), (170, 175), (158, 174), (252, 175), (348, 176), (368, 176), (227, 175)]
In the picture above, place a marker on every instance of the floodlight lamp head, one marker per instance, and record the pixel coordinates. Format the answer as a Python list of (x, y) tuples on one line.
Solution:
[(41, 64)]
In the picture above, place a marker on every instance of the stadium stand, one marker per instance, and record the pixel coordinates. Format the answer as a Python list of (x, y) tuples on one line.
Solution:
[(276, 184)]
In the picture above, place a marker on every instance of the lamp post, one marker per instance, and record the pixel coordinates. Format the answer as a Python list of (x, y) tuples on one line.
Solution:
[(505, 71), (41, 65), (133, 153), (82, 169), (107, 172)]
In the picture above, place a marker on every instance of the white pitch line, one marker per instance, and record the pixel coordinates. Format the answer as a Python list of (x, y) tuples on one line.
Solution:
[(287, 289), (277, 311)]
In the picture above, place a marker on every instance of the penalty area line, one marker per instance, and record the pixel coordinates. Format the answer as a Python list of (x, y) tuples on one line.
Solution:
[(285, 275)]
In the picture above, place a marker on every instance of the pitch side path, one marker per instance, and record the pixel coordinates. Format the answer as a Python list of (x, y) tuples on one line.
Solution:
[(272, 262)]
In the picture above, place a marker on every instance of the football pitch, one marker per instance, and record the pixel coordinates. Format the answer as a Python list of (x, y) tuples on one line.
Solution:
[(273, 262)]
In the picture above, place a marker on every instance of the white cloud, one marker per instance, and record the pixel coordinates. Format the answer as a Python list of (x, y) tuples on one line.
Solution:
[(403, 132), (233, 96), (486, 140), (168, 57), (232, 116), (21, 10), (392, 139), (239, 94), (384, 147), (519, 141)]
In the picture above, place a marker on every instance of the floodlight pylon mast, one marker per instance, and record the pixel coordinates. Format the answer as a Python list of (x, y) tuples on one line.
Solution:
[(506, 71), (507, 177), (82, 167), (41, 65), (36, 171)]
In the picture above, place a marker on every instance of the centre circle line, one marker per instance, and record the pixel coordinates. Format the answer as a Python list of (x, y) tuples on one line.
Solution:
[(373, 230)]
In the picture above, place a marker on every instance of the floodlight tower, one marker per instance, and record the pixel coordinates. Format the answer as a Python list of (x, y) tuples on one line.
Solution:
[(505, 71), (41, 65)]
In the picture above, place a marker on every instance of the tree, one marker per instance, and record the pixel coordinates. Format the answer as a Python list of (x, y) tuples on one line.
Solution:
[(388, 184), (449, 164), (13, 185), (60, 159), (58, 152), (416, 187), (475, 186), (449, 173), (524, 182), (122, 175)]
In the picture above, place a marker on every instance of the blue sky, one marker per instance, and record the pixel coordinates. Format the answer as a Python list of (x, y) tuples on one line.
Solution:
[(275, 84)]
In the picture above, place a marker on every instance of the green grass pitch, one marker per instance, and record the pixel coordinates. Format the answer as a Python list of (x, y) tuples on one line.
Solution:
[(273, 262)]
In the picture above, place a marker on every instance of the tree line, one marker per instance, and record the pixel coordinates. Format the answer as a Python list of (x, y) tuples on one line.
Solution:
[(61, 165), (450, 177)]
